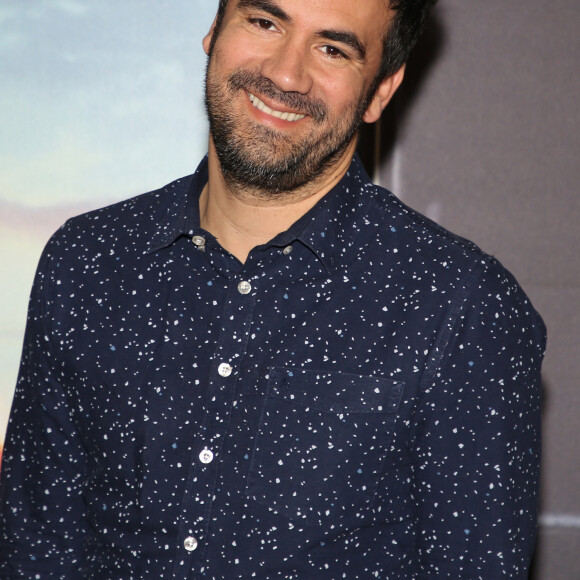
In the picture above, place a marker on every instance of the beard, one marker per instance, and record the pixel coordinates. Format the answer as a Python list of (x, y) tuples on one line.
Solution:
[(269, 162)]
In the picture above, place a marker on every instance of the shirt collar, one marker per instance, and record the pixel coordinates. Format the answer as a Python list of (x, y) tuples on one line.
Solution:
[(329, 229), (182, 215)]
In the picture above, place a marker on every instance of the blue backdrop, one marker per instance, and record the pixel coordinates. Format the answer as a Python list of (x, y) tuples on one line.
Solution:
[(100, 100)]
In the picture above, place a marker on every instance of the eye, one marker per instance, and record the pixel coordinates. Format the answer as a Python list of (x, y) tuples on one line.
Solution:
[(263, 23), (332, 52)]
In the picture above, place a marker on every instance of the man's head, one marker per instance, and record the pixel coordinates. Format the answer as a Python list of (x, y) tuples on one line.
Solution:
[(399, 39), (289, 82)]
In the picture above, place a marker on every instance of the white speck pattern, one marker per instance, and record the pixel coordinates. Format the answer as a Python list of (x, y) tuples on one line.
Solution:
[(366, 405)]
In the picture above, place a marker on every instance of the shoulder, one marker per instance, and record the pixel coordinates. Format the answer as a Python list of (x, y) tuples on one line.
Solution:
[(422, 245), (131, 220), (109, 238), (435, 259), (417, 233)]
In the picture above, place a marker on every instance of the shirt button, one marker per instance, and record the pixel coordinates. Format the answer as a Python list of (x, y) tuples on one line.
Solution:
[(198, 240), (190, 544), (206, 456), (244, 287), (287, 250), (225, 370)]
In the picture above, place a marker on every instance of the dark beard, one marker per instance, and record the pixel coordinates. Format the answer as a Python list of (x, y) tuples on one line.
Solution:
[(266, 161)]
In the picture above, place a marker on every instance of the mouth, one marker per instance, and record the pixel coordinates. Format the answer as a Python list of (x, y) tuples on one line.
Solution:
[(285, 116)]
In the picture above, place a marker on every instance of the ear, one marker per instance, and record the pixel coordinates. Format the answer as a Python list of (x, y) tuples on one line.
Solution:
[(206, 42), (384, 93)]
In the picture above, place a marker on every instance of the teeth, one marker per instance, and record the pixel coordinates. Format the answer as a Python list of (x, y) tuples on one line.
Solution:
[(278, 114)]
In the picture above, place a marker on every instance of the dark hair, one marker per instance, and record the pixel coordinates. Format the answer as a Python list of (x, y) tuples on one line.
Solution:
[(406, 28)]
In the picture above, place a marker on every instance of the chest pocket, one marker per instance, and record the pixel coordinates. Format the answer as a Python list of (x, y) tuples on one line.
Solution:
[(322, 443)]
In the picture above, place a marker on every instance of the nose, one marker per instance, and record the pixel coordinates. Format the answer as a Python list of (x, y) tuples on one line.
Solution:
[(288, 68)]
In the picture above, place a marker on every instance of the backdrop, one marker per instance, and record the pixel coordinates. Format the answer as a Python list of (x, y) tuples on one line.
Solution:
[(99, 101), (103, 100)]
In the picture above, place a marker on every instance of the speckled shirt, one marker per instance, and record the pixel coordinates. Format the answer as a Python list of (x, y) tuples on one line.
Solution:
[(360, 399)]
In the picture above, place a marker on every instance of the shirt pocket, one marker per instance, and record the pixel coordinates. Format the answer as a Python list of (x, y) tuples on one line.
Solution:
[(322, 443)]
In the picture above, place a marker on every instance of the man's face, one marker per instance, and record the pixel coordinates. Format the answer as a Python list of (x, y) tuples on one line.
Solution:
[(287, 86)]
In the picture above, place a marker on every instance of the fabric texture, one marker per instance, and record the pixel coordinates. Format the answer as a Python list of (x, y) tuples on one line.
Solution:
[(360, 399)]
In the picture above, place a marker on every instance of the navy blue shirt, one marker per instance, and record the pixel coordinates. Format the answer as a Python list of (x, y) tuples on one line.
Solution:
[(360, 399)]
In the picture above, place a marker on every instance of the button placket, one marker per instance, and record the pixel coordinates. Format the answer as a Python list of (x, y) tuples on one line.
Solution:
[(237, 316)]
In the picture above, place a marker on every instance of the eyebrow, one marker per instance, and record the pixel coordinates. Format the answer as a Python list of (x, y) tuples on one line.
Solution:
[(347, 38), (344, 37), (266, 6)]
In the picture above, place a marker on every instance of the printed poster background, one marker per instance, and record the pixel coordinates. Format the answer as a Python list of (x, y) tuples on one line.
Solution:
[(99, 101)]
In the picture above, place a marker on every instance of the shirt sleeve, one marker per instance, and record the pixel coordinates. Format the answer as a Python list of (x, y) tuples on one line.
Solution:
[(41, 509), (477, 446)]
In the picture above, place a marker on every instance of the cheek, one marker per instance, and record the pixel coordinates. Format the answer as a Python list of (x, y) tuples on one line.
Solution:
[(341, 96), (236, 50), (341, 84)]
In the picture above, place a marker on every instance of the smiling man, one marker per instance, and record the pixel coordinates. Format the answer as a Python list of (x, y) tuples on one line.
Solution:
[(273, 368), (287, 88)]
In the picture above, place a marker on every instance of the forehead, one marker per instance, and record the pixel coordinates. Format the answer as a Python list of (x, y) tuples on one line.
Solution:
[(366, 17)]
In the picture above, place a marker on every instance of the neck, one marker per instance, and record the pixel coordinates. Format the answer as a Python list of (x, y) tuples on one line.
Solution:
[(242, 219)]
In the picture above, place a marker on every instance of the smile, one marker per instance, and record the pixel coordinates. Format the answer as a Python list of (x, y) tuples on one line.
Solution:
[(278, 114)]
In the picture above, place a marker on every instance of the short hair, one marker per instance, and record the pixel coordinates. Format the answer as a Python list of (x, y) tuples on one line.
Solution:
[(403, 33), (406, 27)]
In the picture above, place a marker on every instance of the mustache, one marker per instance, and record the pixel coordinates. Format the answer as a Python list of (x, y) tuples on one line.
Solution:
[(254, 82)]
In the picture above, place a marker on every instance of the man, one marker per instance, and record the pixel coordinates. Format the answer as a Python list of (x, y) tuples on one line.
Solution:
[(273, 368)]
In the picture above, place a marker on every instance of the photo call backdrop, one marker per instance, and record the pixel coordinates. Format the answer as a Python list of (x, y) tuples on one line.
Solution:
[(103, 100)]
